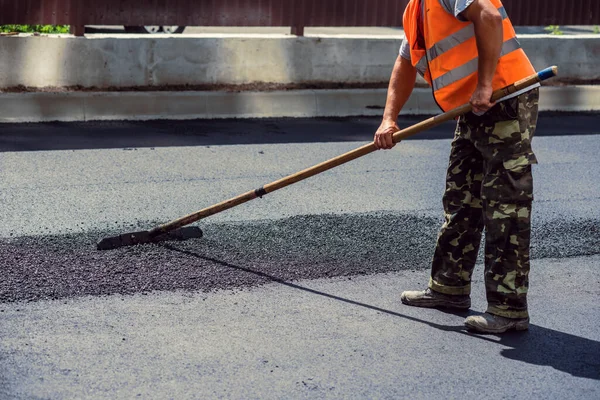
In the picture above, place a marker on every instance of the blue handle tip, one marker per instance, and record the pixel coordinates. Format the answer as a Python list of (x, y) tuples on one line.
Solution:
[(547, 73)]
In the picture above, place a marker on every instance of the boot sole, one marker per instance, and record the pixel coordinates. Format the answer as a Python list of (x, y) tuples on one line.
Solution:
[(431, 303), (519, 326)]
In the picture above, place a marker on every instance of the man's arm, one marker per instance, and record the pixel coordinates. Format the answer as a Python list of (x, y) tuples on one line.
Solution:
[(487, 22), (400, 88)]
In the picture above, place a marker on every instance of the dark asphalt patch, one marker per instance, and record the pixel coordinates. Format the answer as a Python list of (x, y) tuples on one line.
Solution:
[(233, 255)]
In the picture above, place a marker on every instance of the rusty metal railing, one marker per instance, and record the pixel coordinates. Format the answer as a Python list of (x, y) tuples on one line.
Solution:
[(296, 14)]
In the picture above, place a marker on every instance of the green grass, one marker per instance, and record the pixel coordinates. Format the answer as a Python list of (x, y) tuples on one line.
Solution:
[(553, 30), (35, 28)]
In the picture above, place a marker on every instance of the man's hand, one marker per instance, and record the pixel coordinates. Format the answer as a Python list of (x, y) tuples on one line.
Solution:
[(383, 136), (481, 99)]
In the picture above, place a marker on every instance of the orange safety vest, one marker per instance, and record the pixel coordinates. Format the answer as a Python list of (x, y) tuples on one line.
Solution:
[(449, 61)]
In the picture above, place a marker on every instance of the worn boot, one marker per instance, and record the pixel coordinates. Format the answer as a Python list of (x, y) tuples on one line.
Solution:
[(429, 298), (490, 323)]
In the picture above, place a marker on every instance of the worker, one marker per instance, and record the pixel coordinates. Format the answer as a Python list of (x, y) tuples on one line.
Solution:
[(466, 49)]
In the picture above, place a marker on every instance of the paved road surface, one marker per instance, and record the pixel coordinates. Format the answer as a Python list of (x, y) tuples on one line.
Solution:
[(291, 296)]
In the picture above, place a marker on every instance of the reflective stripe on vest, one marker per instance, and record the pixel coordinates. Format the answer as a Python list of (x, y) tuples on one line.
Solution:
[(422, 66), (458, 38), (471, 67)]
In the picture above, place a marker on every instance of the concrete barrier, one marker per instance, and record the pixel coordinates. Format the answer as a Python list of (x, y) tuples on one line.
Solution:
[(123, 62)]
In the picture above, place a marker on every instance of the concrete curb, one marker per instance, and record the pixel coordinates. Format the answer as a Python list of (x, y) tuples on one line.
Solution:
[(98, 106)]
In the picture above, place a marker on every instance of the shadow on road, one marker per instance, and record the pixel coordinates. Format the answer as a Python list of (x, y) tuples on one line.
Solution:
[(140, 134), (313, 291), (144, 134), (568, 353)]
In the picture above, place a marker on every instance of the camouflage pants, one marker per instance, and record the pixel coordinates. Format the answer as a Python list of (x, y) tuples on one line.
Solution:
[(489, 185)]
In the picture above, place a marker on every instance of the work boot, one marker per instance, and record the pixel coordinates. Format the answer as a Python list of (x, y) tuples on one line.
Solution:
[(430, 299), (490, 323)]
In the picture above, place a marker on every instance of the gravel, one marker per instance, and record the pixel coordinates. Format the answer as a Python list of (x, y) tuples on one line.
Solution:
[(243, 254)]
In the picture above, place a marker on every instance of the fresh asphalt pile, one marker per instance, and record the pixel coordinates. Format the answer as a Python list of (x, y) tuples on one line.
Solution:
[(241, 254)]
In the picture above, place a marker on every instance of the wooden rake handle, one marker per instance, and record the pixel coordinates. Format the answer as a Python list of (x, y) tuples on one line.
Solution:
[(344, 158)]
